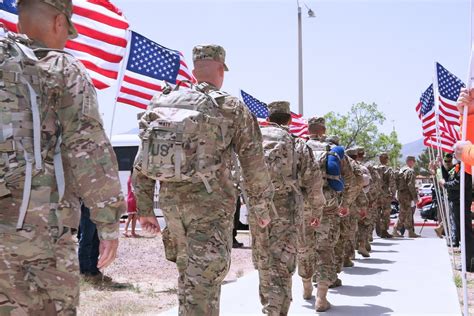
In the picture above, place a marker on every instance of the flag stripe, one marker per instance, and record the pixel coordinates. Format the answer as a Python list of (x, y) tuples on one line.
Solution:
[(101, 16), (98, 35), (131, 102), (107, 73), (94, 51)]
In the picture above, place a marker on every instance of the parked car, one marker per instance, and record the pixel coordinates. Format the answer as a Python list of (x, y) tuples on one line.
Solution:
[(424, 200), (425, 189)]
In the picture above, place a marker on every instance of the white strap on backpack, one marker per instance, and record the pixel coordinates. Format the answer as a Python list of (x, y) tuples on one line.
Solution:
[(37, 155)]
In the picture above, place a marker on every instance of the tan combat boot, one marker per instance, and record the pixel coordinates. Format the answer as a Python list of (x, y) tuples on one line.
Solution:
[(412, 234), (363, 252), (385, 234), (395, 233), (307, 289), (368, 247), (322, 303), (439, 231), (348, 262)]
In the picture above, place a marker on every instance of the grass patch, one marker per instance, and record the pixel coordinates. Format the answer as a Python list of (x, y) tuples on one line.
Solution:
[(458, 281), (171, 290)]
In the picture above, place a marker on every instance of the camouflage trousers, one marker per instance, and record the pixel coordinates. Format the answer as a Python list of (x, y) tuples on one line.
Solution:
[(384, 210), (365, 227), (276, 245), (327, 236), (345, 246), (405, 217), (200, 227), (306, 249), (39, 271)]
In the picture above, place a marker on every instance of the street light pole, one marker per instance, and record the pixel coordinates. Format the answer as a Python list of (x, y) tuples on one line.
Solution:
[(300, 62)]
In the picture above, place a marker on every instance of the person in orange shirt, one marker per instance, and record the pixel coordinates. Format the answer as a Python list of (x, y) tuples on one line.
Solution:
[(464, 150)]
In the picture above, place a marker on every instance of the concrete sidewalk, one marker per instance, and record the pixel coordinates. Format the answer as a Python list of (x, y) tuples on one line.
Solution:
[(403, 277)]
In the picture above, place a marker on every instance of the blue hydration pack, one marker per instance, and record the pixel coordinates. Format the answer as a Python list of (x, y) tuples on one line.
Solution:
[(333, 168)]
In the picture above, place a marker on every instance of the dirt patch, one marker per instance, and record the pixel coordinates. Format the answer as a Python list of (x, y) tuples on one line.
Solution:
[(146, 281)]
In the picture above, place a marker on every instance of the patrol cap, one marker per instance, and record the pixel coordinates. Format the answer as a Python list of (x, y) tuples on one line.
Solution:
[(65, 7), (411, 158), (360, 150), (317, 121), (333, 139), (209, 52), (282, 107), (352, 151)]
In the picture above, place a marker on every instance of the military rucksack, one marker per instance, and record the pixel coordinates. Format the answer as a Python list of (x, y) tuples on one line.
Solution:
[(280, 157), (22, 89), (401, 179), (329, 161), (182, 136)]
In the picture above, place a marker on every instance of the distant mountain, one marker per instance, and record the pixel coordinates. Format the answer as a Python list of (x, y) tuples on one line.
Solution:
[(413, 149)]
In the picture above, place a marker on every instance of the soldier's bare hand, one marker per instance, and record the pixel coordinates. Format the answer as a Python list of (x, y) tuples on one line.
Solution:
[(315, 222), (343, 211), (150, 224), (459, 148), (466, 98), (108, 252), (263, 222)]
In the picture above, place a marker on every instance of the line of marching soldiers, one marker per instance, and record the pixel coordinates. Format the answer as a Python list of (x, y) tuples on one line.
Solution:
[(325, 212)]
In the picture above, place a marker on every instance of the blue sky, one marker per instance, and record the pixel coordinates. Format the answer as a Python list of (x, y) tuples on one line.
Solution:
[(380, 51)]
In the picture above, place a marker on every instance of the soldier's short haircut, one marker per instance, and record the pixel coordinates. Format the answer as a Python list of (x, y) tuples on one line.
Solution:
[(280, 118), (38, 8), (315, 129)]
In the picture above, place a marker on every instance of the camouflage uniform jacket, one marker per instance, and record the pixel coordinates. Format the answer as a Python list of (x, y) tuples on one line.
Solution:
[(335, 200), (375, 190), (407, 175), (389, 186), (90, 165), (309, 179), (243, 136), (361, 201)]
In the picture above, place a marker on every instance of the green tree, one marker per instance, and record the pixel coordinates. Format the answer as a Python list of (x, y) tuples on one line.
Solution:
[(423, 161), (360, 127)]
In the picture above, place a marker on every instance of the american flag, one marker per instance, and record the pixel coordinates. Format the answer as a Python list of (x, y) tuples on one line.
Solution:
[(298, 127), (426, 111), (449, 88), (148, 65), (102, 41)]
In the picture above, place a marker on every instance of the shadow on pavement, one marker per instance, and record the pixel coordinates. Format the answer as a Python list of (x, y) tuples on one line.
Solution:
[(368, 310), (382, 243), (375, 261), (363, 271), (360, 291), (386, 251)]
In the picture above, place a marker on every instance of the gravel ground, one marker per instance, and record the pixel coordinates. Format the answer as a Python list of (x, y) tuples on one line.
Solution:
[(458, 282), (146, 283)]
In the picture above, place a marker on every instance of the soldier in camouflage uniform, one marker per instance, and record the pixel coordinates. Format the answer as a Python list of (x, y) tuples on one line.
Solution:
[(389, 189), (39, 273), (337, 206), (407, 197), (366, 225), (345, 248), (200, 223), (294, 175)]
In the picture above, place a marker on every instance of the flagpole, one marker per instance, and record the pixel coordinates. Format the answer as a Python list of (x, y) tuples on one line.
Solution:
[(462, 201), (121, 73)]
